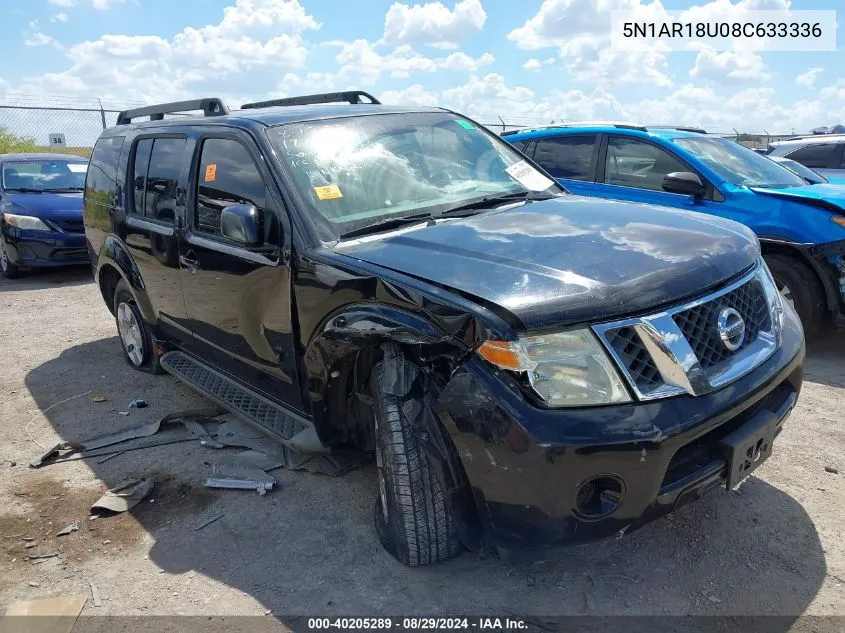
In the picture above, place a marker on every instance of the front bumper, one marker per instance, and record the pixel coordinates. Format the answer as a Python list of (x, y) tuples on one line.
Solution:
[(39, 249), (527, 466)]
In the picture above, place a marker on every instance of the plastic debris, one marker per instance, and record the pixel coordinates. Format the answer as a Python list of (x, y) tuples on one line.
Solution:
[(60, 450), (261, 487), (200, 432), (68, 529), (125, 495), (831, 470), (123, 412), (137, 404), (95, 595), (30, 544), (98, 399), (33, 583), (208, 522)]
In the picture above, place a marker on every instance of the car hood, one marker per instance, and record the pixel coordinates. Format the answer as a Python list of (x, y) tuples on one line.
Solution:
[(47, 206), (827, 195), (571, 260)]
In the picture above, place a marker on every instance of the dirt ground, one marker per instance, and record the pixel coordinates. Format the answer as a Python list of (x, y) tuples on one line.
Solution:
[(777, 547)]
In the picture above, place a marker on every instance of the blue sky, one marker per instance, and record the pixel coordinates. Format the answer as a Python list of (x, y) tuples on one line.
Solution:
[(526, 61)]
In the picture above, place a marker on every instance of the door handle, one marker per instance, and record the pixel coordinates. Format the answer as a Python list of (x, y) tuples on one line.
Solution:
[(191, 264)]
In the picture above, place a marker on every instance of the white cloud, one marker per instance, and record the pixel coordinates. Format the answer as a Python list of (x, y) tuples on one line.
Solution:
[(40, 39), (536, 64), (808, 77), (462, 61), (433, 23), (253, 38), (580, 30), (729, 65), (835, 93), (59, 17), (412, 95)]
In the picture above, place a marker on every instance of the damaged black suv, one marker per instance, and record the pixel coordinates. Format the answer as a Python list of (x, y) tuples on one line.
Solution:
[(527, 367)]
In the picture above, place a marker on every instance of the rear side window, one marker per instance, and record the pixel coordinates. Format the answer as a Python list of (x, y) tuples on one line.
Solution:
[(156, 163), (101, 181), (815, 155), (567, 156), (227, 175)]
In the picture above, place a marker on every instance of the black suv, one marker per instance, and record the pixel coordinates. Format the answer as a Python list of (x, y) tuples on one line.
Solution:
[(527, 367)]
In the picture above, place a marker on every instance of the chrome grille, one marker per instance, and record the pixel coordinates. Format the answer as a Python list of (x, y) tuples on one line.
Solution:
[(636, 358), (698, 324), (680, 350)]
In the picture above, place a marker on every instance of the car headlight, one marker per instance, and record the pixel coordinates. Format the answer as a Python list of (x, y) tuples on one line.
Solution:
[(25, 222), (773, 298), (566, 369)]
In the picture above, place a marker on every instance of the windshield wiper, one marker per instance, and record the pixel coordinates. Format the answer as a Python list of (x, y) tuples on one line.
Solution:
[(25, 189), (488, 202), (63, 189), (386, 225)]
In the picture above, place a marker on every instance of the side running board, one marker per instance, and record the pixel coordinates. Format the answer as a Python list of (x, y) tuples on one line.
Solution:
[(290, 429)]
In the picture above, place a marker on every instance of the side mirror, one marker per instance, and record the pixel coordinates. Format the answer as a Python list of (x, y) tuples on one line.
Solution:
[(684, 182), (239, 223)]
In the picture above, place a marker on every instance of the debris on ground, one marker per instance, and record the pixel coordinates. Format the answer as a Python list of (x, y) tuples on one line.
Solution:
[(123, 412), (831, 470), (208, 522), (95, 595), (37, 557), (261, 487), (13, 463), (98, 399), (137, 404), (60, 450), (125, 495), (201, 433), (30, 544), (33, 583), (68, 529), (108, 457)]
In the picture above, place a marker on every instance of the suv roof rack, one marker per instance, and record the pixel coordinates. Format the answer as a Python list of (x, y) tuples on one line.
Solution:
[(349, 96), (210, 106), (680, 128)]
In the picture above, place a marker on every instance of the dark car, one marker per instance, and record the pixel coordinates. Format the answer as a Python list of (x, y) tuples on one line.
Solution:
[(527, 367), (41, 212)]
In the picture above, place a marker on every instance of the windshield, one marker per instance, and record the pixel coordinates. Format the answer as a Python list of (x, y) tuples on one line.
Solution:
[(739, 165), (44, 175), (358, 171), (806, 173)]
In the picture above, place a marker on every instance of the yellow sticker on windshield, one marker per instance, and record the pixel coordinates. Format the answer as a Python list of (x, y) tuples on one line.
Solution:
[(328, 192)]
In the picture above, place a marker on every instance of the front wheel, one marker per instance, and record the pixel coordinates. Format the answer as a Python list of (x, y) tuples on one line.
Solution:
[(799, 286), (9, 270), (413, 521), (135, 334)]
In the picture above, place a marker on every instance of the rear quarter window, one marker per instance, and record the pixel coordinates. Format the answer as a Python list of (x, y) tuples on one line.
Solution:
[(101, 181), (815, 155), (567, 156)]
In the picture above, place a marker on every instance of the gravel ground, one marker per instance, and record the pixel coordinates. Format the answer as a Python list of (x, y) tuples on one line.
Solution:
[(776, 547)]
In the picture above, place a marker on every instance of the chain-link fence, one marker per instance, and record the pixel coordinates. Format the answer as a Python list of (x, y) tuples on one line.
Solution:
[(32, 123)]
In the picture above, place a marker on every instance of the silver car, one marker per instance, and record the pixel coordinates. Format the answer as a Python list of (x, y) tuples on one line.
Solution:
[(822, 153)]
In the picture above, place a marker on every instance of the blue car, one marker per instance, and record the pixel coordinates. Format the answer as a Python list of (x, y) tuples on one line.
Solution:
[(801, 227), (41, 212)]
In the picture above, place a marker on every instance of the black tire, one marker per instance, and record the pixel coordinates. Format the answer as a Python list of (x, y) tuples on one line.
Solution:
[(417, 527), (806, 290), (9, 270), (144, 359)]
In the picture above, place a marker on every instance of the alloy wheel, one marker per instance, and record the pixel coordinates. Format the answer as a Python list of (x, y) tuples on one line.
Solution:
[(130, 333)]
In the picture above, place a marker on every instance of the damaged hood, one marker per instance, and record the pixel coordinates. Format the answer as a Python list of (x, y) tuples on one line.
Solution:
[(828, 196), (569, 260)]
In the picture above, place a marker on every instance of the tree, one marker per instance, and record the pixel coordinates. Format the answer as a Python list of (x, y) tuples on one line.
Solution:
[(10, 142)]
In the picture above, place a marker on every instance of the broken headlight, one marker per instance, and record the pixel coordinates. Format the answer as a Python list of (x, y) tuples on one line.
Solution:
[(566, 369)]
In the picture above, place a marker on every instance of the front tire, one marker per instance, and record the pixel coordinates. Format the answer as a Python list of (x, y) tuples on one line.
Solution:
[(9, 270), (413, 521), (136, 337), (799, 285)]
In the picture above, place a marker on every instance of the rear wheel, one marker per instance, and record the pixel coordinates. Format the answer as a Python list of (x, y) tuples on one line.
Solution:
[(413, 521), (135, 334), (9, 270), (799, 286)]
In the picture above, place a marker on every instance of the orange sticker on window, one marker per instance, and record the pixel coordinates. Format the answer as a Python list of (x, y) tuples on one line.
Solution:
[(328, 192), (211, 172)]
